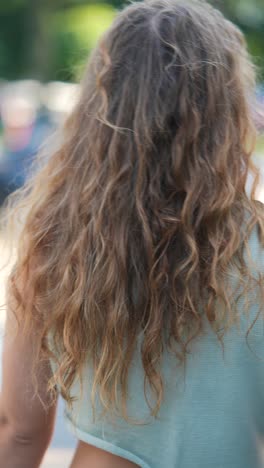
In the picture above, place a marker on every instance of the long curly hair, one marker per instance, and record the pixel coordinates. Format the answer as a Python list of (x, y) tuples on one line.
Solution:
[(132, 222)]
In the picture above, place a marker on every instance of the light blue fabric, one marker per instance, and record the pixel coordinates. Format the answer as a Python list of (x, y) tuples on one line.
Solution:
[(212, 418)]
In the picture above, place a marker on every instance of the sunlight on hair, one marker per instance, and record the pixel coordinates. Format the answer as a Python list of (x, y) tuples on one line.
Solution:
[(134, 227)]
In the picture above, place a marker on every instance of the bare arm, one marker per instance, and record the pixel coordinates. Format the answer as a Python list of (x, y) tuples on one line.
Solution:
[(25, 426), (88, 455)]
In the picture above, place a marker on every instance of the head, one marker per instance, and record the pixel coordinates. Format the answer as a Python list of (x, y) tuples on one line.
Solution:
[(136, 218)]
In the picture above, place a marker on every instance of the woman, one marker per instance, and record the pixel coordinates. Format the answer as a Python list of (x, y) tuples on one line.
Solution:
[(137, 289)]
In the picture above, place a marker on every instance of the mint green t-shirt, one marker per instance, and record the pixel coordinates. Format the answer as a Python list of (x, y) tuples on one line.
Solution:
[(211, 417)]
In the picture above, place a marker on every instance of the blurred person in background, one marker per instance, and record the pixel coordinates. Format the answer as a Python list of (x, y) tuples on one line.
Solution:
[(137, 293), (24, 128)]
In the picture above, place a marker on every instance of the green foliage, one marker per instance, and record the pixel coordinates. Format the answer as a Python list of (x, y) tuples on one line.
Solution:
[(87, 22), (12, 5), (249, 16), (51, 39), (260, 145), (11, 45), (75, 33), (255, 44)]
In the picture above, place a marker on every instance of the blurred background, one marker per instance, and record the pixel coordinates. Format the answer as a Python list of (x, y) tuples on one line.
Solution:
[(44, 45)]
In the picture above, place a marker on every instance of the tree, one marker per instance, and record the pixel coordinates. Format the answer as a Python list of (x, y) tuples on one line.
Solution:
[(249, 16), (46, 40), (35, 41)]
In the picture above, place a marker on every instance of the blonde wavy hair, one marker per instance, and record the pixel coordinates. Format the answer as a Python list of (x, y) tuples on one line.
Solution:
[(133, 221)]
